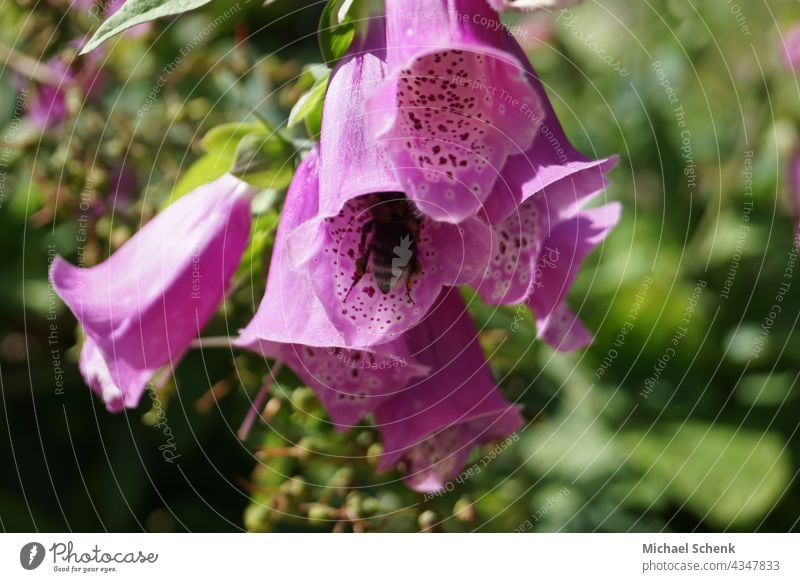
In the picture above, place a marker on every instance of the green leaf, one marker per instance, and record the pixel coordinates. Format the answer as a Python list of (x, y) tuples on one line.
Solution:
[(309, 107), (574, 446), (228, 135), (262, 235), (135, 12), (768, 389), (264, 159), (267, 200), (337, 28), (220, 145), (728, 476)]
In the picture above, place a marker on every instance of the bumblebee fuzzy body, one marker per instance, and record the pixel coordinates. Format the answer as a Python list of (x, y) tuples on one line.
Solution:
[(389, 243)]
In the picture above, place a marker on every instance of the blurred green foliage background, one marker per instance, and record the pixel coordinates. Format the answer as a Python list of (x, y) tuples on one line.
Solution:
[(682, 416)]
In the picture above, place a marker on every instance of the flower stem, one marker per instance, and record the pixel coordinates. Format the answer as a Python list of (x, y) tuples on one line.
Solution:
[(258, 402), (30, 67), (221, 341)]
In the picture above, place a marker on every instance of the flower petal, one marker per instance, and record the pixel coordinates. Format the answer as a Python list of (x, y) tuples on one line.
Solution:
[(439, 458), (456, 106), (352, 383), (375, 263), (292, 325), (551, 168), (435, 422), (290, 311), (558, 266), (377, 281), (143, 306), (509, 277), (95, 370), (562, 329), (350, 163)]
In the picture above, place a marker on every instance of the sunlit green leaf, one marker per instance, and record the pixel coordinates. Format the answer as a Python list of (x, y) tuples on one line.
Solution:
[(264, 160), (766, 389), (308, 108), (337, 28), (220, 145), (135, 12), (727, 475)]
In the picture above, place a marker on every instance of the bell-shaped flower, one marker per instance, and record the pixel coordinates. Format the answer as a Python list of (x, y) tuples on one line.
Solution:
[(551, 167), (542, 235), (293, 326), (141, 308), (456, 104), (432, 425), (374, 261), (540, 250), (430, 389)]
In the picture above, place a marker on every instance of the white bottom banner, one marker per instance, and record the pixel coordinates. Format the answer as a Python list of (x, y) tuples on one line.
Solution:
[(400, 557)]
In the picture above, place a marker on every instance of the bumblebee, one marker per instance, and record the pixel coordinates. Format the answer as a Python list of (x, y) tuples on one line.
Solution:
[(389, 243)]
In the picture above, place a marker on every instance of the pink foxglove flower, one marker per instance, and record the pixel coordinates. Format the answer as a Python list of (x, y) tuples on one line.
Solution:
[(48, 106), (550, 167), (542, 234), (141, 308), (430, 389), (377, 265), (374, 261), (434, 423), (541, 247), (292, 325), (456, 104)]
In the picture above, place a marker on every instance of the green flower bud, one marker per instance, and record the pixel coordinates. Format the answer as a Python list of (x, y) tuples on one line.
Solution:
[(319, 513), (365, 438), (303, 399), (353, 504), (464, 510), (374, 453), (341, 478), (257, 518), (295, 487), (428, 521), (370, 506)]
